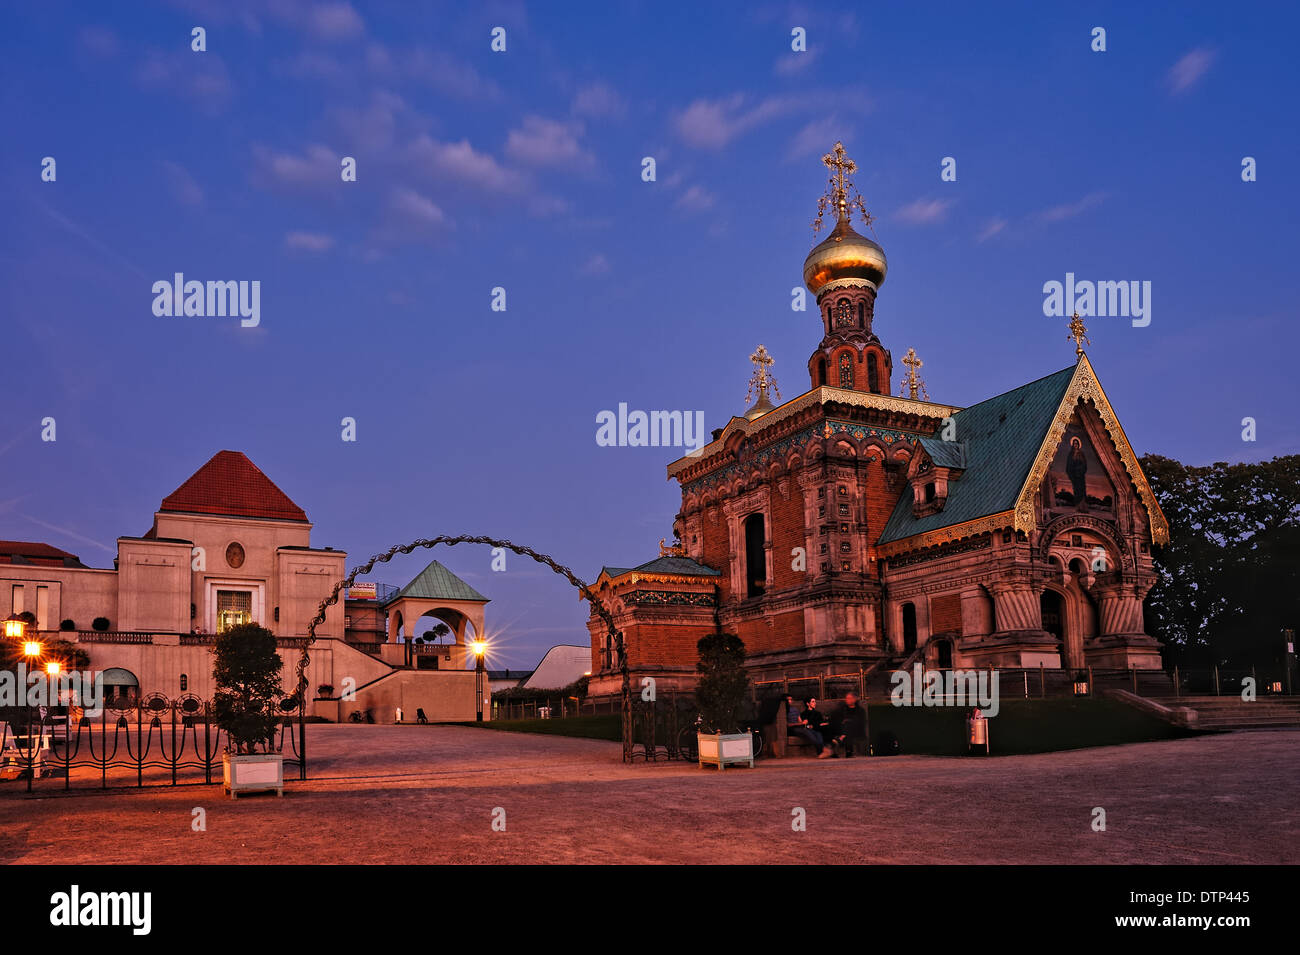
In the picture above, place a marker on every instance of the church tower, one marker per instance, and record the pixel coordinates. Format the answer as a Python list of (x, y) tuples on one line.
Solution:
[(845, 272)]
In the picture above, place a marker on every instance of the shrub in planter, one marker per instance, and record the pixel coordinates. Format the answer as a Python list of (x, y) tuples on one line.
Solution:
[(722, 690), (247, 678), (100, 624), (325, 691), (67, 625)]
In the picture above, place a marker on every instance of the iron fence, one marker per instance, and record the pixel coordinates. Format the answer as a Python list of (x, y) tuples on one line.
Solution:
[(131, 742)]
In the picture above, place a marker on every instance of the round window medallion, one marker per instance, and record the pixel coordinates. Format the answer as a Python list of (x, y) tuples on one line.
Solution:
[(235, 555)]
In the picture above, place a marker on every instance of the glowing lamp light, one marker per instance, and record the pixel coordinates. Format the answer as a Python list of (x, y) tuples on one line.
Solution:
[(32, 648), (478, 648), (52, 668), (14, 626)]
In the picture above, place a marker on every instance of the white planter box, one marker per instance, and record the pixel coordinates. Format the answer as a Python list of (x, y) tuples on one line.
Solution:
[(262, 772), (723, 749)]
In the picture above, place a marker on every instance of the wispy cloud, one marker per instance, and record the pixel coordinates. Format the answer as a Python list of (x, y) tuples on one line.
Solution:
[(714, 123), (817, 137), (314, 170), (101, 41), (600, 101), (546, 142), (308, 242), (991, 228), (1189, 70), (695, 199), (596, 264), (1069, 210), (184, 188), (202, 79), (924, 211)]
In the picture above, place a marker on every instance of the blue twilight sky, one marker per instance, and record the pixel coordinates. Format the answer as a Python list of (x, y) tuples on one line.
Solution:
[(522, 170)]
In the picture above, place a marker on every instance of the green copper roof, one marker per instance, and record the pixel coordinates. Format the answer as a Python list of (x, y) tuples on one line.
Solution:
[(436, 582), (682, 566), (1001, 437)]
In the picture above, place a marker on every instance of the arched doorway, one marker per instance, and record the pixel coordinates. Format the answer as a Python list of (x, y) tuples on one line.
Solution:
[(909, 627), (943, 653), (120, 685), (1052, 609)]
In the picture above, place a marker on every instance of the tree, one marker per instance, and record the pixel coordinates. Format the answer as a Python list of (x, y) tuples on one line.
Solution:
[(1228, 581), (723, 686), (247, 678)]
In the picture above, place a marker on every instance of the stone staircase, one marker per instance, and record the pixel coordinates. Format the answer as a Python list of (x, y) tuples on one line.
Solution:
[(1233, 713)]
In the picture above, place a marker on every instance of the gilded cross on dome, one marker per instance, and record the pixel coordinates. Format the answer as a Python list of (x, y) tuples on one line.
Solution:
[(911, 380), (841, 193), (1078, 334), (761, 379)]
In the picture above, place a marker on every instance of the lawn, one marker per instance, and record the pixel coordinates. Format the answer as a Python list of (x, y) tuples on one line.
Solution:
[(1021, 726)]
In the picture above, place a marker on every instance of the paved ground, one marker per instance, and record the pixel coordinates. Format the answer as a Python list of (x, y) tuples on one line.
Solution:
[(427, 794)]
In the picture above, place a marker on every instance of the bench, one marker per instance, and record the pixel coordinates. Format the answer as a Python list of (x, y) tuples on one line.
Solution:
[(778, 744), (15, 752)]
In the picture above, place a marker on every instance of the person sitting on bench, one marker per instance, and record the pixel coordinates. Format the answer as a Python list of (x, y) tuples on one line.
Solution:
[(419, 715), (817, 722), (796, 725), (851, 725)]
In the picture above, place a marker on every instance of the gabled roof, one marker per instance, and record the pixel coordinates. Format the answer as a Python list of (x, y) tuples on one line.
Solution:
[(1010, 441), (230, 485), (436, 582), (1001, 436)]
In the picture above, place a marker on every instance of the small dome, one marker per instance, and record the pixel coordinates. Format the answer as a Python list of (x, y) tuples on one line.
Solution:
[(761, 407), (844, 255)]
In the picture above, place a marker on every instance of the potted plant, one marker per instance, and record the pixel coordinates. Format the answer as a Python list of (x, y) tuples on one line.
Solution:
[(247, 678), (325, 691), (721, 693)]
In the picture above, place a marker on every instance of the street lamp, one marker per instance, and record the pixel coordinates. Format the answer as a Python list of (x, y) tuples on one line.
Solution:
[(31, 648), (479, 648), (14, 626)]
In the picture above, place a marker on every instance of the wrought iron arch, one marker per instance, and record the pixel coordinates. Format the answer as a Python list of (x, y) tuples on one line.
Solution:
[(615, 635)]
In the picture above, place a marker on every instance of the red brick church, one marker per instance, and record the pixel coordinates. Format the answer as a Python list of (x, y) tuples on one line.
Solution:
[(850, 526)]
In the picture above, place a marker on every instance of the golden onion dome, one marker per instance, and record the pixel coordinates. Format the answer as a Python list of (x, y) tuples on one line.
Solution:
[(846, 257), (761, 407)]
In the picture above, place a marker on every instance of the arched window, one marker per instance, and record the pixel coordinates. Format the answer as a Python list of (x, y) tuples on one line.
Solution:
[(821, 372), (846, 371), (873, 374), (185, 682), (845, 317), (862, 314), (909, 627), (755, 555)]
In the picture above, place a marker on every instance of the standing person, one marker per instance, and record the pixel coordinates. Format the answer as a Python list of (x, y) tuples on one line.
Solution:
[(851, 725), (796, 725)]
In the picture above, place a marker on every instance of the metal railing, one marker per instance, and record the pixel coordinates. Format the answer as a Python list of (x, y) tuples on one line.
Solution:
[(149, 741)]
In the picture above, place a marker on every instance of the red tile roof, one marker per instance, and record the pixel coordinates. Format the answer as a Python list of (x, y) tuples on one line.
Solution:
[(33, 552), (232, 486)]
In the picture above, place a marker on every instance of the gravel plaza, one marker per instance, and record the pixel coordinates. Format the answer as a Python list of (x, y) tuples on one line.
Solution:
[(429, 794)]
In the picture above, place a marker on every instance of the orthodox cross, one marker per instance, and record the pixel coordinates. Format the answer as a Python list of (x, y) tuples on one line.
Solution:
[(1078, 334), (761, 379), (911, 379), (840, 186)]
